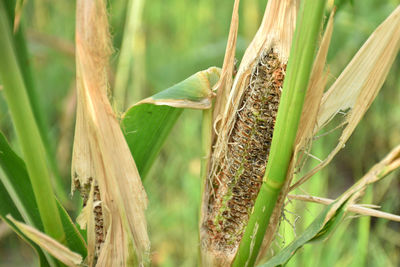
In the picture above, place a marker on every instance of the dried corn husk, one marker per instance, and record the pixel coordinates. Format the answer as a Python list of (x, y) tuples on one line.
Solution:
[(101, 155), (52, 246), (358, 85)]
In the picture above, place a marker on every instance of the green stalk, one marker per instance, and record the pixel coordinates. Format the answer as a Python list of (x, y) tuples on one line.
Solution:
[(361, 249), (28, 132), (294, 90), (126, 57), (23, 60)]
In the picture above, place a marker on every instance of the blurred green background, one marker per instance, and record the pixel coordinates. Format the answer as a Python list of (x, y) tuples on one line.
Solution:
[(175, 39)]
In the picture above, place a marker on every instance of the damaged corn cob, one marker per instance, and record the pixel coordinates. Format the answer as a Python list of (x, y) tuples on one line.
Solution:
[(243, 135), (237, 178)]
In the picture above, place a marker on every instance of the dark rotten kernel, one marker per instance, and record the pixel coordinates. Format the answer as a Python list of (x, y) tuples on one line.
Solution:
[(238, 177)]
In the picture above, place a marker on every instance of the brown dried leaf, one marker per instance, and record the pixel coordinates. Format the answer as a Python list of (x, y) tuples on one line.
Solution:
[(277, 29), (100, 149), (224, 85), (315, 90), (356, 208), (52, 246), (359, 83), (376, 173)]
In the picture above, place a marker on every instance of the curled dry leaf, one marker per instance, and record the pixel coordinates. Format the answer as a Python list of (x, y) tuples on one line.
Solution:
[(376, 173), (52, 246), (224, 85), (356, 208), (101, 155), (315, 91), (332, 215), (194, 92), (359, 84)]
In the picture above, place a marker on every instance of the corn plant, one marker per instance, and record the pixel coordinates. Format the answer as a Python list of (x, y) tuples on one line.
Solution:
[(258, 127)]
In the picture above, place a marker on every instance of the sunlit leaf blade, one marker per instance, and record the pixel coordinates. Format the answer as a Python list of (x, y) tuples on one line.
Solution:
[(318, 229), (194, 92), (147, 124), (18, 190), (56, 249)]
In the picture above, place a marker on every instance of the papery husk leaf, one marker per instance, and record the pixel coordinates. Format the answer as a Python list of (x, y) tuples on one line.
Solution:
[(52, 246), (224, 85), (110, 165), (359, 84), (114, 251), (275, 30), (366, 71)]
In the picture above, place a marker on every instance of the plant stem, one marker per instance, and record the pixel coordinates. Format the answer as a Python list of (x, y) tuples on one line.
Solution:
[(23, 60), (125, 60), (294, 90), (28, 132)]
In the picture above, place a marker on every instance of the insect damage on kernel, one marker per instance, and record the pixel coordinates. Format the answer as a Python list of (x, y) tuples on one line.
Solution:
[(237, 177)]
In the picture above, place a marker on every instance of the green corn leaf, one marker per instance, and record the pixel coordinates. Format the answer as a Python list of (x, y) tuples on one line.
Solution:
[(319, 229), (13, 10), (17, 198), (75, 240), (18, 187), (147, 124), (27, 131)]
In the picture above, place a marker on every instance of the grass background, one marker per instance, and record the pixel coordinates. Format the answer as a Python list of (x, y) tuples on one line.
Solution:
[(177, 39)]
